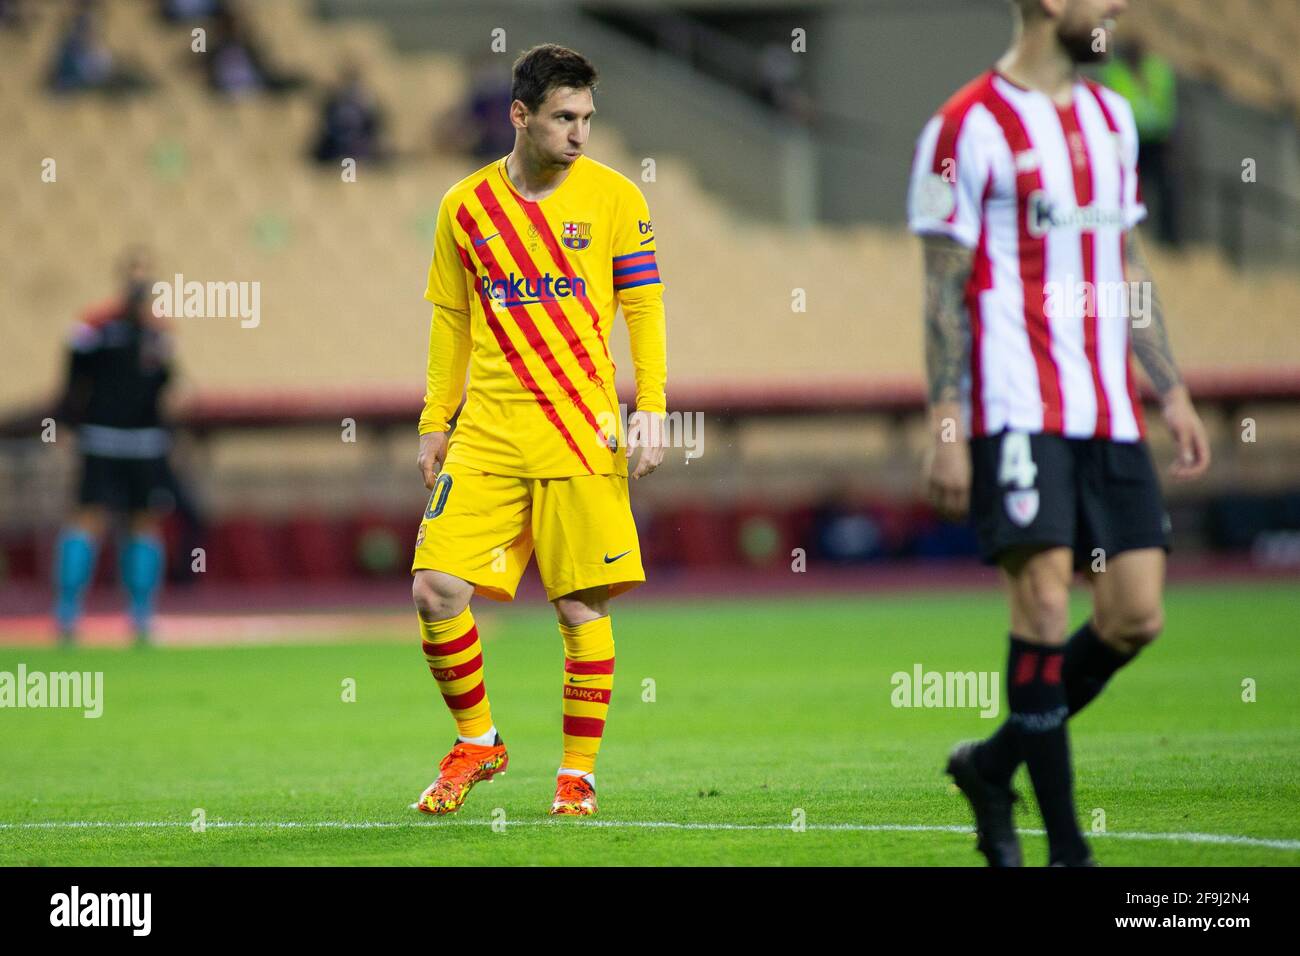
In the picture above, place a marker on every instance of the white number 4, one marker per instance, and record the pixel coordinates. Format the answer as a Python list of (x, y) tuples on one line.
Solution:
[(1017, 467)]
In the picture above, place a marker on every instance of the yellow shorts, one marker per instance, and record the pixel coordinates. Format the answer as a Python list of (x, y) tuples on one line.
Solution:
[(483, 528)]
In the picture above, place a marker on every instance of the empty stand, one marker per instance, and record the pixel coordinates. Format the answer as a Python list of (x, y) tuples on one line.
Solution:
[(223, 191)]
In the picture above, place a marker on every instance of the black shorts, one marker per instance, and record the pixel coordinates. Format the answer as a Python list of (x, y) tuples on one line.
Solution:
[(1030, 490), (125, 484)]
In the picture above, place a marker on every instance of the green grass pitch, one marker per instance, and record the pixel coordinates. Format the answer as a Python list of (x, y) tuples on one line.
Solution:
[(765, 712)]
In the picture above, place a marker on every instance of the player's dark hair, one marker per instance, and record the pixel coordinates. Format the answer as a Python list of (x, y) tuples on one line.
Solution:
[(543, 69)]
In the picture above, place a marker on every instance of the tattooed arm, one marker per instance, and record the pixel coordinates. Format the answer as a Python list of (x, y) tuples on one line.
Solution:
[(1150, 338), (947, 326), (947, 349)]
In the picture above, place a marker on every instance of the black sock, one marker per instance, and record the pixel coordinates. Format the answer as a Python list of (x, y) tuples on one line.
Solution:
[(1089, 663), (997, 758), (1038, 714)]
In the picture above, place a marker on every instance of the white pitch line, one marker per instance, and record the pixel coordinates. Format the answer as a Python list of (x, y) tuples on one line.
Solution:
[(1222, 839)]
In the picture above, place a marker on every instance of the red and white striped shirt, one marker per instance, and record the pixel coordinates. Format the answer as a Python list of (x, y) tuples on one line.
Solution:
[(1044, 195)]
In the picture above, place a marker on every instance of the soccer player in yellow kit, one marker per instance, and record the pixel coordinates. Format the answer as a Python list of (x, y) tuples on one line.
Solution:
[(532, 257)]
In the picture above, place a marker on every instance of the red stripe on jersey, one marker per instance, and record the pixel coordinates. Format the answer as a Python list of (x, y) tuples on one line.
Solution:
[(1033, 264), (981, 279), (512, 354), (954, 116), (526, 325), (589, 667), (499, 219), (534, 213), (466, 261), (1083, 196), (584, 726), (1095, 89)]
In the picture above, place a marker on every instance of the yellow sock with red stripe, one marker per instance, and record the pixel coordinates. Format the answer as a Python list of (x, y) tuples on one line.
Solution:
[(588, 683), (455, 659)]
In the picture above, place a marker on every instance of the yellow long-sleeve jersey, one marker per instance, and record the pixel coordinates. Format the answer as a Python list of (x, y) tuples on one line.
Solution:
[(525, 294)]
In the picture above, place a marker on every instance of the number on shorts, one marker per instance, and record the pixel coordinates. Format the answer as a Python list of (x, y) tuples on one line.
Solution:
[(1016, 468), (438, 499)]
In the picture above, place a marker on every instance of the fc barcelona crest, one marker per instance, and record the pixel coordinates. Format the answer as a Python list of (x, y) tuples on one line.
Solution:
[(576, 235)]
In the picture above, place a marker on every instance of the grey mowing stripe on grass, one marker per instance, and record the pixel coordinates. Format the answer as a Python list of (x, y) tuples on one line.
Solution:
[(1213, 838)]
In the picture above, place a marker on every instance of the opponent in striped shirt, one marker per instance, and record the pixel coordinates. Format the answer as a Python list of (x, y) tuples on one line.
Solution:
[(1025, 190), (533, 255)]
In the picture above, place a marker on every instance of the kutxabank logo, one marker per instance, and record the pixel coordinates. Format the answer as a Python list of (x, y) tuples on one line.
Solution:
[(1044, 216)]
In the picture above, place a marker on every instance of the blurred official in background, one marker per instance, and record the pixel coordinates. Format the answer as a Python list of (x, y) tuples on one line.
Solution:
[(119, 365)]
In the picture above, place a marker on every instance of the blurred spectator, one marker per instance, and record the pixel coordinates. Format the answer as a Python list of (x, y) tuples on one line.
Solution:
[(844, 530), (12, 15), (780, 82), (180, 11), (236, 63), (84, 63), (1150, 85), (481, 127), (119, 366), (351, 122)]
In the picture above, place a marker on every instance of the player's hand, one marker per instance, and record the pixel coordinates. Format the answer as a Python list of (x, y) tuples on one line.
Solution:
[(645, 430), (947, 478), (433, 451), (1189, 435)]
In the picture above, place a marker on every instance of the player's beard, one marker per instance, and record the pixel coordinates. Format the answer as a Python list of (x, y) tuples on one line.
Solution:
[(1080, 43)]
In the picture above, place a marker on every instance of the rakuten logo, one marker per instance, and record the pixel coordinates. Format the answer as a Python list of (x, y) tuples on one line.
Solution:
[(521, 290)]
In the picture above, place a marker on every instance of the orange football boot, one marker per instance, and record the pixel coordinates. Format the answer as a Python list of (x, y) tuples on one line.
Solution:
[(573, 797), (464, 766)]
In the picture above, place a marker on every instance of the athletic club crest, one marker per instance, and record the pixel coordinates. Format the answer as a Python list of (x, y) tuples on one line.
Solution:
[(1022, 506), (576, 235)]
